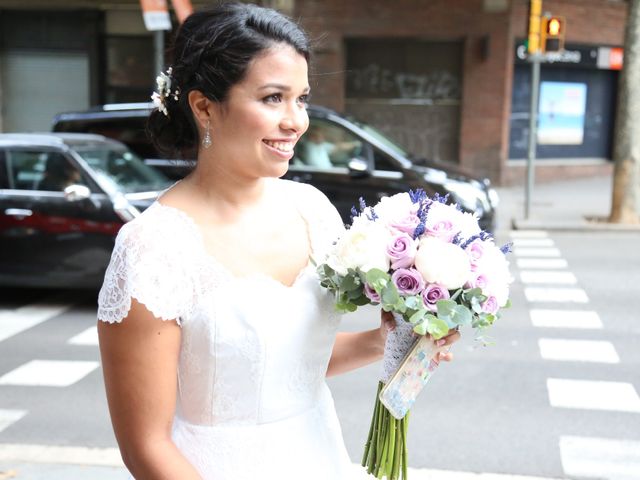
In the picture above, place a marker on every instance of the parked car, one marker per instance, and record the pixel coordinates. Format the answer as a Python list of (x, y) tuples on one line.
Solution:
[(63, 198), (344, 158)]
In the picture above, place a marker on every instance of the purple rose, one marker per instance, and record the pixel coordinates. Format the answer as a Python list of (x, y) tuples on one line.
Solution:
[(407, 224), (408, 281), (401, 250), (432, 294), (490, 305), (442, 229), (371, 294), (475, 251), (478, 281)]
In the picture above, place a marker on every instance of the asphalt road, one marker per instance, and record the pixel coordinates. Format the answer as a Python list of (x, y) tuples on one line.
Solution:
[(550, 397)]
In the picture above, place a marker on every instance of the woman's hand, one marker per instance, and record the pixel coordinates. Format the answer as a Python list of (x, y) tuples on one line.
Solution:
[(387, 323)]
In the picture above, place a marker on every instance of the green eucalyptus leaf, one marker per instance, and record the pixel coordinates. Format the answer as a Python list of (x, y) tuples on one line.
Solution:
[(461, 315), (413, 302), (421, 328), (417, 317), (390, 294), (362, 300), (377, 279), (437, 327)]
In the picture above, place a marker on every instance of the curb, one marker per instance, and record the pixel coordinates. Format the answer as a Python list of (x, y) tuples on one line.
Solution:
[(572, 226), (40, 462)]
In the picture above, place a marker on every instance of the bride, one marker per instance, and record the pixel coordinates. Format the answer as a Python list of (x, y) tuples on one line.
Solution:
[(215, 335)]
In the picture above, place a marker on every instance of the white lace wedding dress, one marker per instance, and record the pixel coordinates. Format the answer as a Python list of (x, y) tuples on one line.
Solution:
[(252, 399)]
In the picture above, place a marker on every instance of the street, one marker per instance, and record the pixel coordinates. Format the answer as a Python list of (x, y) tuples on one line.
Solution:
[(555, 395)]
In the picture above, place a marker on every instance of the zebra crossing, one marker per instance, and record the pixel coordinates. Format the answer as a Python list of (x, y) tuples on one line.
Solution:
[(548, 281)]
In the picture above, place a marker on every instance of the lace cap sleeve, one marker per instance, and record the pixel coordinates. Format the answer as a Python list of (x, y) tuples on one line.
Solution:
[(325, 223), (148, 266)]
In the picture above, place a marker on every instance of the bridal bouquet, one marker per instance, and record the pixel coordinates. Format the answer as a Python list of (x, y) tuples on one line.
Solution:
[(431, 265)]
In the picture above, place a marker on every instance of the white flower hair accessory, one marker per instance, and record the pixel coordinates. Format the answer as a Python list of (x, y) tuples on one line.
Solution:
[(163, 92)]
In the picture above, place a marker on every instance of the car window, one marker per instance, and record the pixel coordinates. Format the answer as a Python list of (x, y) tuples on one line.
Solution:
[(4, 177), (41, 170), (326, 145), (121, 169), (383, 162)]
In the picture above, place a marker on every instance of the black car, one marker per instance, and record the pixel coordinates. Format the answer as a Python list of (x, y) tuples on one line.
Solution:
[(63, 198), (344, 158)]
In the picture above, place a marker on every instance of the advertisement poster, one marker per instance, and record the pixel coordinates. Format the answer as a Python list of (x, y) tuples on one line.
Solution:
[(561, 113)]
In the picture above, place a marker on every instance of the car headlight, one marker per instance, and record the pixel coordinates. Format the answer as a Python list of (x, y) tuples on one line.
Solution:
[(468, 197), (494, 198)]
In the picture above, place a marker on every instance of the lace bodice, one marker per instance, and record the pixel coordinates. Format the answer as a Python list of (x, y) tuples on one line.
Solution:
[(252, 399)]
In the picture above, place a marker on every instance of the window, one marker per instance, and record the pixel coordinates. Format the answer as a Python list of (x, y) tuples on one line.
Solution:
[(326, 145), (384, 163), (4, 179), (130, 68), (37, 170)]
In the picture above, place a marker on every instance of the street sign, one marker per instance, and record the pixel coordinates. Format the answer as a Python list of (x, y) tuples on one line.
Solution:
[(156, 15)]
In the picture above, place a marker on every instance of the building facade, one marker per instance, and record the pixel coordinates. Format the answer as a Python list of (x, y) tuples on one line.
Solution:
[(446, 79)]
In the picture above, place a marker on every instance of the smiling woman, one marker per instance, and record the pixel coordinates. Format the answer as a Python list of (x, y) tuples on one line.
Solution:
[(231, 385)]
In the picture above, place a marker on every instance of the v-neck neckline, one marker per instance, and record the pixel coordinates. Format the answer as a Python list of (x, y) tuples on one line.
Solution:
[(227, 271)]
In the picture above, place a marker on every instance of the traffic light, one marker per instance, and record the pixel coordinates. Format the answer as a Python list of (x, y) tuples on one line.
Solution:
[(552, 29)]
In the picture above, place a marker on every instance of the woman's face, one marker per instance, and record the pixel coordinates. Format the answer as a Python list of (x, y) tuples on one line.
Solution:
[(255, 129)]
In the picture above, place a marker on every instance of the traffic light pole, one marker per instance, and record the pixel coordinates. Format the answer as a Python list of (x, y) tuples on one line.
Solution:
[(535, 60)]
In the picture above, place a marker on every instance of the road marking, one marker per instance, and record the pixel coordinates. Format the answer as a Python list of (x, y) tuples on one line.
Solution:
[(593, 395), (15, 321), (584, 319), (88, 337), (550, 277), (541, 263), (532, 242), (600, 457), (110, 457), (528, 233), (7, 417), (596, 351), (539, 294), (49, 373), (536, 252)]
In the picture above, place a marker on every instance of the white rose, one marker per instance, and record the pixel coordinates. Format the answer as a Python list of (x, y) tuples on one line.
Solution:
[(363, 246), (394, 208), (443, 263)]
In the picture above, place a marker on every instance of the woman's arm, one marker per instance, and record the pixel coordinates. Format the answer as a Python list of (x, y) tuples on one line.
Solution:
[(139, 362), (356, 349)]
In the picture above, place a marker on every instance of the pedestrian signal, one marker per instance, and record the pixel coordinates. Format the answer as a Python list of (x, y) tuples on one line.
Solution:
[(552, 29)]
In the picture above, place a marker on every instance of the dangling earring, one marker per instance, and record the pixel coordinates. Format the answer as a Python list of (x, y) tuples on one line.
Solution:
[(206, 141)]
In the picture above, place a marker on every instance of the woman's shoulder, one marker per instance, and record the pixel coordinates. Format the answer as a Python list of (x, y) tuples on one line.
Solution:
[(158, 225)]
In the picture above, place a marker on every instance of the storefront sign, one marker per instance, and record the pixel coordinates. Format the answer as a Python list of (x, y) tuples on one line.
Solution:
[(155, 14), (604, 58)]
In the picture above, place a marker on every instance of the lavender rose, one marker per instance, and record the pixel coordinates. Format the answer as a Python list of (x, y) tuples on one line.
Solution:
[(371, 294), (490, 305), (401, 250), (408, 281), (432, 294)]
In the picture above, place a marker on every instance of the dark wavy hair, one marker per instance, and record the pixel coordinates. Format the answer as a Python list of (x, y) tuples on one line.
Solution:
[(211, 52)]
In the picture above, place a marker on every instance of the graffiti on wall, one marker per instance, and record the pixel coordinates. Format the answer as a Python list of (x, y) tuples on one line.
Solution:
[(376, 81)]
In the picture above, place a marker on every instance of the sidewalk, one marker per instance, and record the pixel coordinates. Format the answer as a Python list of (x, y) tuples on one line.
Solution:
[(576, 204)]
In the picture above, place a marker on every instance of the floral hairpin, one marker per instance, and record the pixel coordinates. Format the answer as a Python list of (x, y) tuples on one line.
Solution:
[(159, 97)]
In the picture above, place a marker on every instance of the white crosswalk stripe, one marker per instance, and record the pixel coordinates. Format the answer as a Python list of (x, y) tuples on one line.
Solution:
[(547, 277), (532, 242), (600, 458), (87, 337), (536, 252), (8, 417), (536, 294), (15, 321), (580, 319), (528, 234), (49, 373), (541, 263), (596, 351), (593, 395)]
